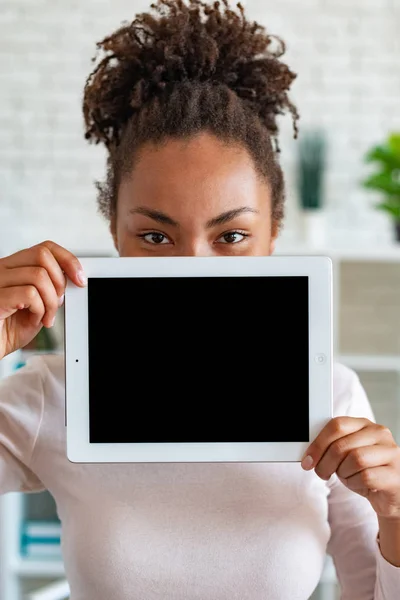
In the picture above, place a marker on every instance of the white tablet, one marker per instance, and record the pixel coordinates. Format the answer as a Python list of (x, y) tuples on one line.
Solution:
[(198, 359)]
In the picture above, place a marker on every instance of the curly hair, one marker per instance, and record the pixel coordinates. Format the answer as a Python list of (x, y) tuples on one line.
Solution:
[(180, 69)]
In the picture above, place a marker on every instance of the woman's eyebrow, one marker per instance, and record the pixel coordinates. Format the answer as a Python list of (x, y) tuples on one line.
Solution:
[(156, 215), (229, 215), (163, 218)]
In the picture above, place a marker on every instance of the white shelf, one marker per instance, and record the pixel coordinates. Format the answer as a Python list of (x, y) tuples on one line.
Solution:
[(385, 253), (369, 362), (27, 567), (55, 591)]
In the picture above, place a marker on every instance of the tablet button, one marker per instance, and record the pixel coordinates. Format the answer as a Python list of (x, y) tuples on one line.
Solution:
[(320, 359)]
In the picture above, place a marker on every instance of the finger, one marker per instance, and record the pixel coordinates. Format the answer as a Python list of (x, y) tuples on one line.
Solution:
[(365, 457), (44, 255), (38, 277), (20, 298), (384, 478), (335, 429), (341, 447)]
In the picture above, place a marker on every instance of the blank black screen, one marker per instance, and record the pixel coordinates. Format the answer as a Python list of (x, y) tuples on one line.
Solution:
[(198, 359)]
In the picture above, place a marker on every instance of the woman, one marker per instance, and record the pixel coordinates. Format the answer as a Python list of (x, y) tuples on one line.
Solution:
[(185, 99)]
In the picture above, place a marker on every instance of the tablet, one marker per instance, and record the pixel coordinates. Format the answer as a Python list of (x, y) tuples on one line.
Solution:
[(189, 359)]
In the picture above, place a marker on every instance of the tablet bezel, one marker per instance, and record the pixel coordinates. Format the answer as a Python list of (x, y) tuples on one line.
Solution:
[(318, 269)]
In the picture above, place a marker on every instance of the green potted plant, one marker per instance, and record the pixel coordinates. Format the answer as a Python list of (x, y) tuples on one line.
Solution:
[(386, 178), (311, 167)]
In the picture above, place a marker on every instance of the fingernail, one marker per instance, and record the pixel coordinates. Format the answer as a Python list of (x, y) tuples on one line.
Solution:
[(82, 277), (52, 322), (61, 300), (307, 463)]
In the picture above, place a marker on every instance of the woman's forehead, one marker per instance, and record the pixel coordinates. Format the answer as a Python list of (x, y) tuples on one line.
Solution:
[(202, 171), (202, 152)]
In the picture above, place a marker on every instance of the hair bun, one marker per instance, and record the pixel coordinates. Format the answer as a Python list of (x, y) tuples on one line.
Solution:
[(180, 41)]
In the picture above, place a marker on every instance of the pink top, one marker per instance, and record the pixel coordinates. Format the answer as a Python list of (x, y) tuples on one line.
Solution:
[(190, 531)]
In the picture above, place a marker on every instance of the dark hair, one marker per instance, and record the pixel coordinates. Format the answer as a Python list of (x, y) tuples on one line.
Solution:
[(183, 68)]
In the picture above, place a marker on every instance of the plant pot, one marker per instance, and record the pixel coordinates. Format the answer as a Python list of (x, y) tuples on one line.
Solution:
[(314, 227)]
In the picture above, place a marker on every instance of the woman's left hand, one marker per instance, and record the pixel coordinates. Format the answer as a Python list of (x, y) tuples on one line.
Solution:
[(364, 456)]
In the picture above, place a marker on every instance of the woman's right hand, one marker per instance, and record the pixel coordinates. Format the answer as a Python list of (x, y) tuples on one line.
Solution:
[(32, 285)]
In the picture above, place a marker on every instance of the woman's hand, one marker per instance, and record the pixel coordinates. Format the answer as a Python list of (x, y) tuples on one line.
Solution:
[(364, 456), (32, 285)]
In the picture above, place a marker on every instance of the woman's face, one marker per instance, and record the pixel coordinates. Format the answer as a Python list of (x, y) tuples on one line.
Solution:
[(195, 197)]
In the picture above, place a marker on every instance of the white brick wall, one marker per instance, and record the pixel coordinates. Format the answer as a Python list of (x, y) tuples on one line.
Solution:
[(346, 54)]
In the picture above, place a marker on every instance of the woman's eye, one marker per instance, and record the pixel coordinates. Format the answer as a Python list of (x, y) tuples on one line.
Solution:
[(231, 237), (154, 237)]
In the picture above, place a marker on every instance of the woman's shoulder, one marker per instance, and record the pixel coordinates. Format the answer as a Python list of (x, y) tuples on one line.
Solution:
[(31, 395), (344, 378), (349, 396), (47, 364), (51, 370), (40, 373), (51, 365)]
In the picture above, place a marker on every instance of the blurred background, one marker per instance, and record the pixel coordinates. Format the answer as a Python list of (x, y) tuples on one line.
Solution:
[(342, 178)]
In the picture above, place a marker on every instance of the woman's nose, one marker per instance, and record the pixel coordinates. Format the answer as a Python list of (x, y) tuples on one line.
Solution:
[(194, 248)]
